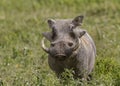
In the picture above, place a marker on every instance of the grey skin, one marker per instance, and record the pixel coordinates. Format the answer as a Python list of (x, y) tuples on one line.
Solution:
[(71, 47)]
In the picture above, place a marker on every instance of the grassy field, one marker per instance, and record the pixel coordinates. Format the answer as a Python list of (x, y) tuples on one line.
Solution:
[(24, 63)]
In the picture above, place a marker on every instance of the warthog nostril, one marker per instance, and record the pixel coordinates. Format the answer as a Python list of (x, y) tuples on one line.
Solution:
[(60, 57)]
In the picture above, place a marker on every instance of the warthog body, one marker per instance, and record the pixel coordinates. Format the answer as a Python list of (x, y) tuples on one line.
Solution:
[(71, 47)]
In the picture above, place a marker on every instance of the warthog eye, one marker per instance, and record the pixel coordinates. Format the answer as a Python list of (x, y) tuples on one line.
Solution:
[(70, 44), (72, 34), (52, 44)]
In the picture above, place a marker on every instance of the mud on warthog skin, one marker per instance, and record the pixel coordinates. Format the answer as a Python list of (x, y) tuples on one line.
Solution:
[(70, 47)]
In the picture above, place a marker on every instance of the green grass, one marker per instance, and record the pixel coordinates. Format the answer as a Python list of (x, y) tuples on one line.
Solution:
[(24, 63)]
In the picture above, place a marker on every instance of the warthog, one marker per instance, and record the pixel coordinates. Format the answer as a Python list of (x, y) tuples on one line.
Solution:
[(70, 47)]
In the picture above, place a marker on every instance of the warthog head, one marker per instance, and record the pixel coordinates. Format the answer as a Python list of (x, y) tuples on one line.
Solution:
[(64, 38)]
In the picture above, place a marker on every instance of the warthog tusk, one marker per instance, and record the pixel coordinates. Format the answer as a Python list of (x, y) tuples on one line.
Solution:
[(43, 45), (77, 45)]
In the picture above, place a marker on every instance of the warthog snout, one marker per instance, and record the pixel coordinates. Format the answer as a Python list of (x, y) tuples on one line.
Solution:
[(61, 50), (60, 57)]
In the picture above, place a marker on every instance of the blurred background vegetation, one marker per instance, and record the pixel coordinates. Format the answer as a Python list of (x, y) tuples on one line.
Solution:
[(23, 62)]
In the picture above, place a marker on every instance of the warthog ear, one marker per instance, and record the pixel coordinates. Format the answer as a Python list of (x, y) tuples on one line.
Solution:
[(77, 21), (81, 33), (48, 35), (51, 23)]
